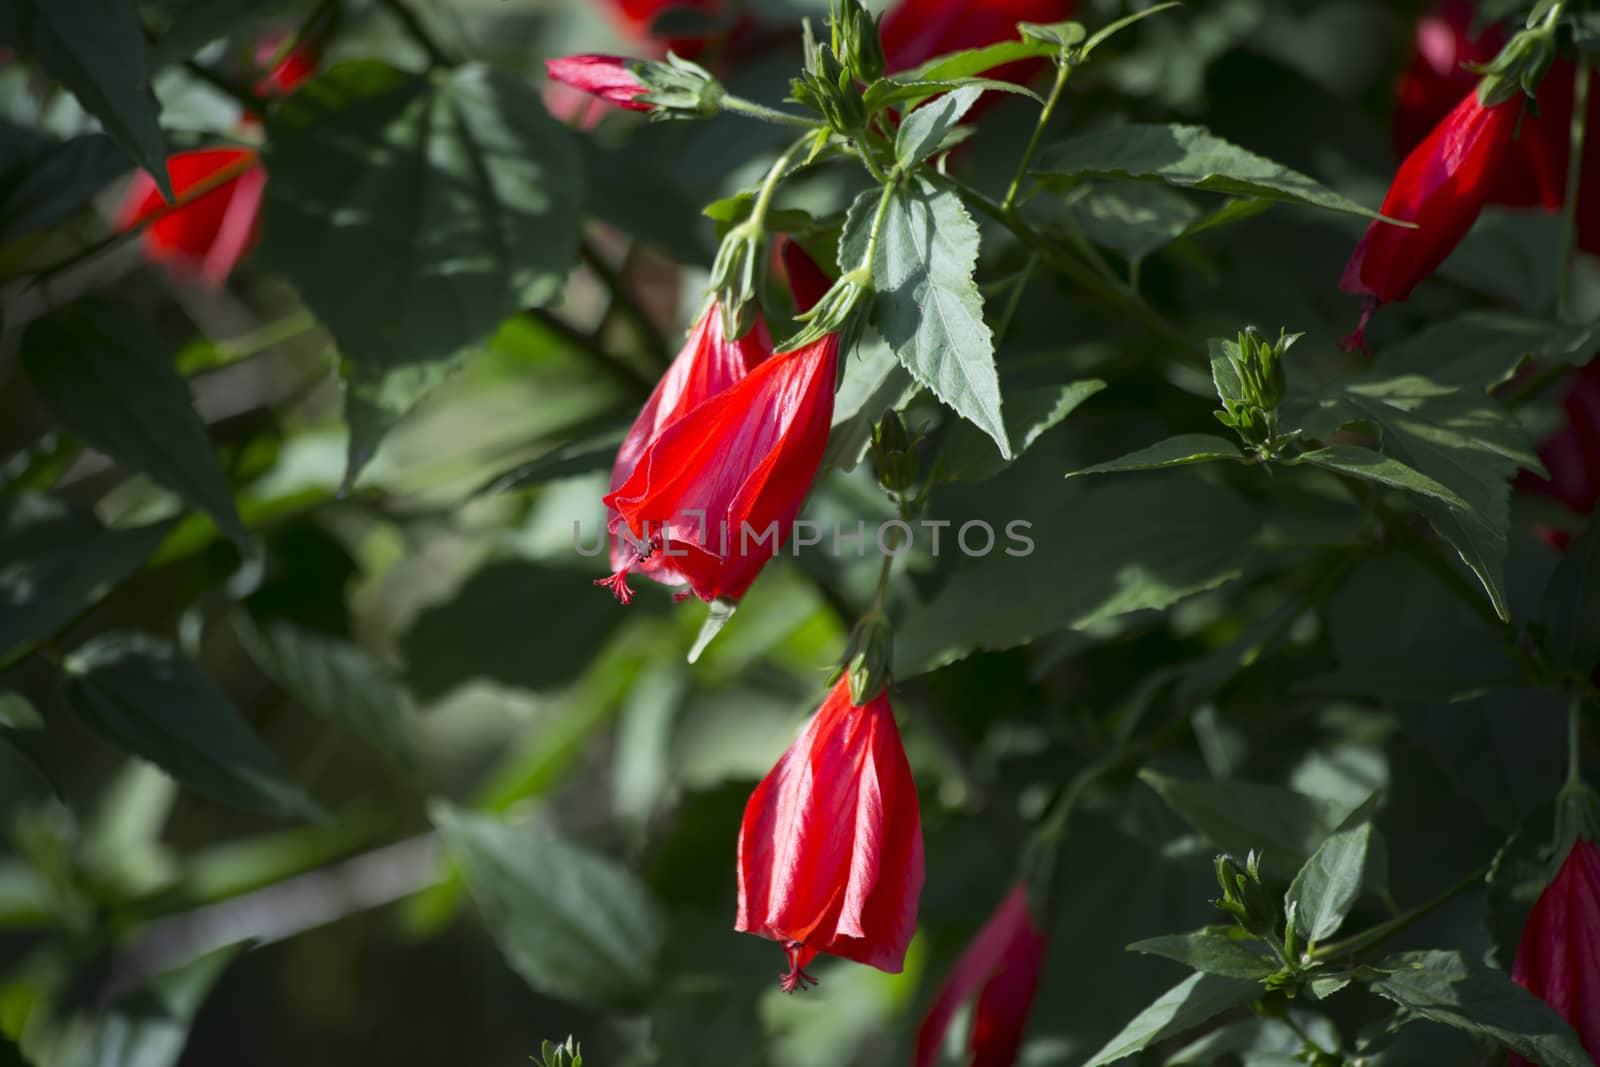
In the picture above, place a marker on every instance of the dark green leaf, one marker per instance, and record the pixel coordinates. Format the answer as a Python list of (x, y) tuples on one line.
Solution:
[(140, 693), (377, 398), (1373, 466), (901, 89), (1195, 1000), (503, 614), (17, 714), (924, 130), (1134, 220), (1327, 887), (927, 305), (571, 923), (1129, 546), (337, 680), (108, 379), (1210, 949), (967, 64), (1571, 605), (1285, 827), (414, 214), (149, 1028), (1482, 349), (55, 562), (1173, 452), (585, 456), (52, 180), (1030, 413), (183, 26), (1187, 157), (1441, 986), (96, 49), (874, 381)]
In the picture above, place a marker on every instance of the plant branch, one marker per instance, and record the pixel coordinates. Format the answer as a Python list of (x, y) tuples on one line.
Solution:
[(740, 106), (437, 56), (1063, 70), (1569, 210), (1383, 931)]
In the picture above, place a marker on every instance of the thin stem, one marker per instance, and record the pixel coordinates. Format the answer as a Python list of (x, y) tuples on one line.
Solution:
[(1014, 300), (1383, 931), (1300, 1032), (740, 106), (876, 233), (648, 331), (1063, 69), (1569, 210), (437, 56), (775, 176)]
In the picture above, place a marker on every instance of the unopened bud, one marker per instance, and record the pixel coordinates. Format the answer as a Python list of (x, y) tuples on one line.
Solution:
[(1244, 897), (894, 454), (1520, 66), (736, 277), (856, 40), (868, 657), (835, 312), (678, 88)]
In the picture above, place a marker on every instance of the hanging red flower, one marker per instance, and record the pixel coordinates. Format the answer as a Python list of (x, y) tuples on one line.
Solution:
[(830, 850), (605, 77), (1001, 967), (1558, 960), (204, 237)]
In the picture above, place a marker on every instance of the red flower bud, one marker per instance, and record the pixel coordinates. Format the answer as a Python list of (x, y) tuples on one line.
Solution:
[(708, 364), (1001, 967), (207, 236), (298, 64), (914, 31), (830, 851), (606, 77), (1442, 186), (1558, 960)]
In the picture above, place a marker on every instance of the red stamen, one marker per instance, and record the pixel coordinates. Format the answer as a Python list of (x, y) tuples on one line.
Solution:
[(618, 584), (1357, 340), (797, 978)]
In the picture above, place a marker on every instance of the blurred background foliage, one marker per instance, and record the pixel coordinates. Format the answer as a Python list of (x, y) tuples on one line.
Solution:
[(417, 654)]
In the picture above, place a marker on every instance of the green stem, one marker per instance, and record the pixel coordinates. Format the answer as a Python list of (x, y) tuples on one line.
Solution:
[(740, 106), (1569, 210), (876, 233), (1383, 931), (1063, 69), (1014, 300), (437, 56), (769, 187), (647, 330), (1574, 742)]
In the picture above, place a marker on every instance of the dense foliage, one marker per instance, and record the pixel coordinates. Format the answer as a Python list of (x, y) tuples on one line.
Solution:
[(1168, 438)]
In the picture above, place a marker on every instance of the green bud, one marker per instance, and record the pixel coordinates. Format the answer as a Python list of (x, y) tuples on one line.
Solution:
[(1244, 897), (836, 312), (1520, 66), (678, 88), (827, 87), (736, 277), (868, 656), (856, 40), (894, 454)]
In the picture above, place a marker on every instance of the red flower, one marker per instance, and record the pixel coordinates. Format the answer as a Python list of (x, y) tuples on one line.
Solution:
[(1558, 960), (713, 494), (290, 72), (606, 77), (1572, 454), (708, 364), (636, 17), (914, 31), (1002, 967), (830, 851), (1442, 186), (208, 235)]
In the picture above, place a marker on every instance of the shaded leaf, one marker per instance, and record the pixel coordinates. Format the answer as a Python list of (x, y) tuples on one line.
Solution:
[(573, 924), (924, 130), (874, 381), (150, 1028), (1571, 605), (49, 180), (1373, 466), (1173, 452), (1210, 949), (1327, 887), (1482, 349), (1134, 220), (1195, 1000), (108, 379), (1187, 157), (17, 714), (1030, 413), (140, 693)]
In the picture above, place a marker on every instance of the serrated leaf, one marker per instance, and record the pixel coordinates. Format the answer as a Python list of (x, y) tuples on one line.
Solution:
[(55, 562), (415, 213), (1195, 1000), (1210, 949), (900, 90), (337, 680), (1373, 466), (1030, 413), (1134, 220), (1189, 157), (96, 48), (1328, 885), (1571, 605), (141, 694), (1441, 986), (924, 130), (106, 376), (927, 305), (1456, 436), (1129, 546), (573, 924), (1283, 826), (1173, 452), (968, 63)]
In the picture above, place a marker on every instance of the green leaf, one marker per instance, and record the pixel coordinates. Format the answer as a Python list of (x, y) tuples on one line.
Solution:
[(1195, 1000), (1128, 546), (17, 714), (522, 624), (1458, 437), (924, 130), (96, 49), (1030, 413), (1441, 986), (182, 27), (1188, 157), (140, 693), (1483, 349), (415, 213), (1284, 826), (1173, 452), (150, 1028), (1105, 33), (1373, 466), (585, 456), (874, 381), (1134, 220), (109, 380), (927, 305), (901, 90), (47, 181), (337, 680), (1212, 950), (377, 398), (1327, 887), (55, 562), (1571, 605), (573, 924), (966, 64)]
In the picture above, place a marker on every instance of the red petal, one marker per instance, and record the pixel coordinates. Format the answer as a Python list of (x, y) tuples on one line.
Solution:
[(1559, 957), (607, 77), (185, 236)]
